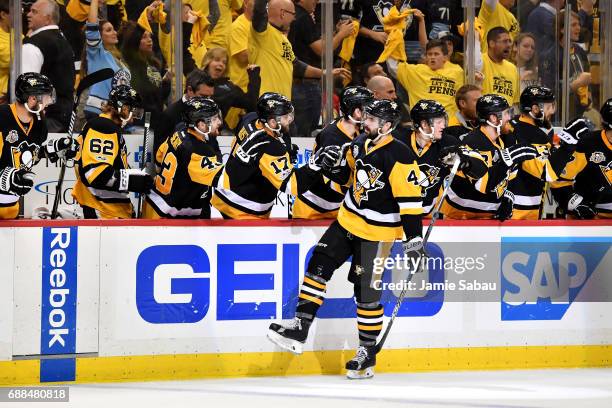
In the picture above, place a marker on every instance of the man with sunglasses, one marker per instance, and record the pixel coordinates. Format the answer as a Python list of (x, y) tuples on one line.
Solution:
[(23, 132)]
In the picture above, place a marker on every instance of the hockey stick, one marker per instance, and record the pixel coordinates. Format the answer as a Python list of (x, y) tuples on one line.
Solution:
[(434, 216), (89, 80), (143, 157)]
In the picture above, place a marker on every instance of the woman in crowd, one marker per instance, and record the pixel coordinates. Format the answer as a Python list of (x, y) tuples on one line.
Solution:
[(525, 57)]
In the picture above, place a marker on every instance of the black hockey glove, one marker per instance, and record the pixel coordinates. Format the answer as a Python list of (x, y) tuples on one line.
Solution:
[(414, 252), (449, 154), (63, 147), (134, 180), (325, 158), (506, 207), (573, 131), (248, 151), (580, 209), (16, 181), (518, 153)]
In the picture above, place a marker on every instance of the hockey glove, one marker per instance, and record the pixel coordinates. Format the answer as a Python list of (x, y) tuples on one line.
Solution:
[(580, 209), (248, 151), (293, 153), (325, 158), (414, 252), (449, 154), (16, 181), (573, 131), (134, 180), (64, 147), (506, 207), (518, 153)]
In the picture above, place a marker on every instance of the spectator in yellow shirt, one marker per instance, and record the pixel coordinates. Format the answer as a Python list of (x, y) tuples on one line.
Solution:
[(496, 13), (239, 46), (5, 50), (501, 77)]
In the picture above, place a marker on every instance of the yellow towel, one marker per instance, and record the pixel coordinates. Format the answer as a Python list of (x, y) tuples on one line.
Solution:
[(200, 29), (348, 44), (477, 24), (394, 24)]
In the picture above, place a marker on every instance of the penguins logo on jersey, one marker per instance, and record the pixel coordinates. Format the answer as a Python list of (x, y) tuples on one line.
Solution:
[(607, 172), (381, 9), (428, 177), (366, 181), (25, 154)]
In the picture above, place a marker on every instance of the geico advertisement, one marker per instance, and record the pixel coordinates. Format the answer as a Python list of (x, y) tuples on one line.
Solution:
[(45, 184)]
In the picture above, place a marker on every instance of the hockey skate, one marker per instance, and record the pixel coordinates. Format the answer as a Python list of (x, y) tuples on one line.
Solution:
[(362, 365), (290, 337)]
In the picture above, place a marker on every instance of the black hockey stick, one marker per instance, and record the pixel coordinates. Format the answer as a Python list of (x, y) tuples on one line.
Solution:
[(89, 80), (143, 157), (434, 216)]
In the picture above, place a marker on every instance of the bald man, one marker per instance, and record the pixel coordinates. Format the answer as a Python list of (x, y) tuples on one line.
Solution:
[(382, 87)]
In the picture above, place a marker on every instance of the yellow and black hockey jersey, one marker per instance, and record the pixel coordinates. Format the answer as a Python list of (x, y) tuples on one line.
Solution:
[(322, 200), (249, 191), (588, 174), (530, 183), (470, 198), (20, 146), (187, 169), (384, 193), (102, 153)]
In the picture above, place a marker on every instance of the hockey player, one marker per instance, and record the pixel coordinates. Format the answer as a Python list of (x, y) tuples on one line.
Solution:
[(248, 191), (584, 189), (383, 204), (322, 200), (465, 118), (489, 197), (189, 165), (22, 140), (103, 175), (533, 127), (429, 143)]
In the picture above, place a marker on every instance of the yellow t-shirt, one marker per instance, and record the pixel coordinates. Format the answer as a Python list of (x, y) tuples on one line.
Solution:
[(219, 37), (238, 42), (498, 17), (421, 82), (5, 60), (272, 51), (501, 79)]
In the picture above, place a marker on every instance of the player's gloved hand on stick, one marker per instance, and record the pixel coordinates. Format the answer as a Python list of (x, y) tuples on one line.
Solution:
[(414, 252), (248, 151), (16, 181), (580, 209), (134, 180), (63, 147), (449, 154), (518, 153), (506, 207), (325, 158), (573, 131)]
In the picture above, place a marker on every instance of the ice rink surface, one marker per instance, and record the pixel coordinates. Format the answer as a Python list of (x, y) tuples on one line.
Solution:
[(579, 388)]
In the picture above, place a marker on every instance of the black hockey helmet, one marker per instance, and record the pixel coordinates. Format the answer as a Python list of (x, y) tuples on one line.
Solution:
[(199, 109), (490, 104), (33, 83), (353, 97), (427, 110), (385, 110), (535, 95), (126, 95), (272, 105), (606, 114)]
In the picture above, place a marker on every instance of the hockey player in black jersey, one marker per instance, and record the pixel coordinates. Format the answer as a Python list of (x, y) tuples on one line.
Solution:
[(23, 135), (584, 190), (465, 118), (533, 127), (429, 143), (248, 188), (322, 200), (489, 197), (383, 204), (104, 178)]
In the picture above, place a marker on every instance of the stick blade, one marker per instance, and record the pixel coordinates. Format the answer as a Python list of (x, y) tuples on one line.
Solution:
[(94, 78)]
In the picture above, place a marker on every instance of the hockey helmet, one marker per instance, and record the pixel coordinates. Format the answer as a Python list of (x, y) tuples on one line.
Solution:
[(535, 95), (385, 110), (272, 105), (427, 110), (354, 97), (126, 95), (33, 84), (199, 109), (490, 104), (606, 114)]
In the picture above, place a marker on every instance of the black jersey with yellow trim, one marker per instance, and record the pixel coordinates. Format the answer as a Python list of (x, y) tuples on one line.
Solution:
[(322, 200), (588, 174), (248, 191), (470, 197), (20, 146), (188, 168), (384, 190), (102, 152)]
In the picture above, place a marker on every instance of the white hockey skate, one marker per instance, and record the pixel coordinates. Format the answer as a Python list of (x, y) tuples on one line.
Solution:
[(362, 365)]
